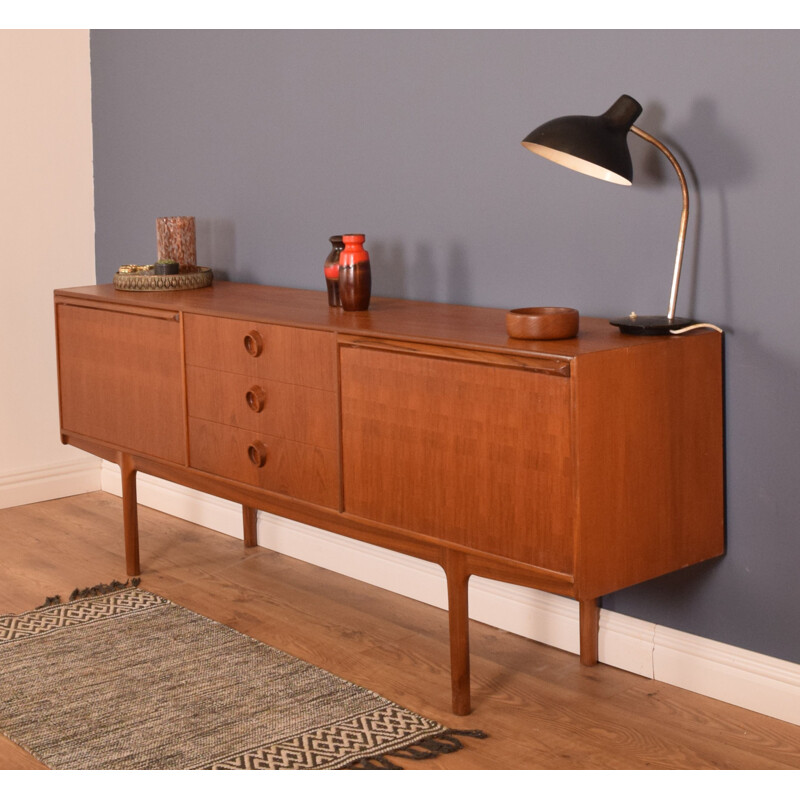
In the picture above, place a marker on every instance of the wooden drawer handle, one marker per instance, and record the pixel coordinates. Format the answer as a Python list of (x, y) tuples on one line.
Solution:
[(256, 399), (257, 453), (253, 343)]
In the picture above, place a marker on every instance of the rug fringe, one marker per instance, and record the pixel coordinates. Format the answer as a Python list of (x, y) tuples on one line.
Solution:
[(432, 746), (91, 591), (374, 762)]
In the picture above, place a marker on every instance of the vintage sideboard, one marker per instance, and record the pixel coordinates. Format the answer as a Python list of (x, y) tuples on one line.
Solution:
[(577, 467)]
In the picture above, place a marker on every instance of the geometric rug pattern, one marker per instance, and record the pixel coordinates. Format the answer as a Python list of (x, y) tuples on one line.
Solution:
[(126, 679)]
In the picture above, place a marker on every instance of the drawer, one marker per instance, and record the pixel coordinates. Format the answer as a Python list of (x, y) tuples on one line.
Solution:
[(285, 410), (272, 352), (295, 469)]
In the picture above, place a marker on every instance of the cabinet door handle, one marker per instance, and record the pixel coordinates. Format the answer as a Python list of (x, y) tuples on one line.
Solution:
[(253, 343), (257, 453), (256, 399)]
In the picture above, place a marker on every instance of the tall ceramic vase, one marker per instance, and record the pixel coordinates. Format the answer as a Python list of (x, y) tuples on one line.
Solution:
[(355, 276), (332, 270)]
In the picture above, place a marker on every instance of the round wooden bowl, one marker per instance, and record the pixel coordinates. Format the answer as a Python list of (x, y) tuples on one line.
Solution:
[(542, 322)]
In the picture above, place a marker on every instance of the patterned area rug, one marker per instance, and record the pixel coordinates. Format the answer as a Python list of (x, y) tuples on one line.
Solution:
[(126, 679)]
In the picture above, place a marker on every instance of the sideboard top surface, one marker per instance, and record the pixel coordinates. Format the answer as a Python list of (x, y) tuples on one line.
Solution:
[(387, 317)]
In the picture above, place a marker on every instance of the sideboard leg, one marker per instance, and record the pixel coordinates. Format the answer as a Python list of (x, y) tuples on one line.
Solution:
[(130, 516), (589, 621), (250, 519), (458, 608)]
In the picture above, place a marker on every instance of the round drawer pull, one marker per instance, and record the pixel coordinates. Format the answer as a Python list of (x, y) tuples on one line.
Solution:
[(256, 399), (253, 343), (257, 453)]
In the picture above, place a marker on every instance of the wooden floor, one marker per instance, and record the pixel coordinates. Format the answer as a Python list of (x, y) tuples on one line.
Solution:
[(540, 707)]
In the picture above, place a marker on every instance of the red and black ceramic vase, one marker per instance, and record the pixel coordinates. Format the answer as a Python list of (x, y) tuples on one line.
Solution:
[(355, 276), (332, 270)]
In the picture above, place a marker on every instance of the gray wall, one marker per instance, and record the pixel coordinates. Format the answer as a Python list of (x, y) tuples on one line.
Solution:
[(275, 140)]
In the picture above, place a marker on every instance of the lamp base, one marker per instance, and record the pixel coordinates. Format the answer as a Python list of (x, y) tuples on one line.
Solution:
[(650, 326)]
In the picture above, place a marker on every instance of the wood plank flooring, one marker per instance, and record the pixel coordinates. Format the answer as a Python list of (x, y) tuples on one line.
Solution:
[(540, 707)]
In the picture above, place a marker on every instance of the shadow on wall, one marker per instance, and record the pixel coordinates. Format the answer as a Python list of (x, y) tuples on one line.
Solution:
[(459, 285), (395, 272), (726, 163), (389, 269), (414, 272), (702, 139), (216, 247)]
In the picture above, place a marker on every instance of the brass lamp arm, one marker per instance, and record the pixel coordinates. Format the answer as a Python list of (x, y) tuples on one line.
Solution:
[(673, 297)]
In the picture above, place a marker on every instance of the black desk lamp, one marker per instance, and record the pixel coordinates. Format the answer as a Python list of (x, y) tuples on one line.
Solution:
[(598, 146)]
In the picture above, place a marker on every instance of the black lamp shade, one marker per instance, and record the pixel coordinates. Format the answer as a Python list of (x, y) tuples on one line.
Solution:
[(596, 146)]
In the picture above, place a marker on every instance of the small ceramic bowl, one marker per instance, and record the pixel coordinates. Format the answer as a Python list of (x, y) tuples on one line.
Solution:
[(542, 322)]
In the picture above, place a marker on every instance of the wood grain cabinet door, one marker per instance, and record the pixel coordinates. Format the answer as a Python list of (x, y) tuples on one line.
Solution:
[(120, 379), (475, 454)]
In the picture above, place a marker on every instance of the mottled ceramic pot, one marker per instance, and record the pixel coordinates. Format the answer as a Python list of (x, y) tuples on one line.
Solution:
[(175, 237), (355, 275), (332, 270)]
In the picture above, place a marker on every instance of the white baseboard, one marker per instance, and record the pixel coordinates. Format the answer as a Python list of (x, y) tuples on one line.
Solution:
[(747, 679), (63, 479), (740, 677)]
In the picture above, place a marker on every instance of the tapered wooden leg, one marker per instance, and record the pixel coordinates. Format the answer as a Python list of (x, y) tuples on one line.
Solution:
[(458, 608), (130, 517), (250, 519), (589, 621)]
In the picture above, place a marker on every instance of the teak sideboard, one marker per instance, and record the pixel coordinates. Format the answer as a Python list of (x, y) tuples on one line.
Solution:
[(577, 467)]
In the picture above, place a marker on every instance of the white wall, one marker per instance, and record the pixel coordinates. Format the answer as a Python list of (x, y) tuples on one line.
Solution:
[(47, 233)]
